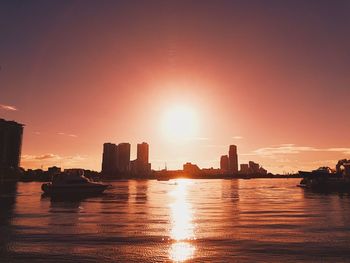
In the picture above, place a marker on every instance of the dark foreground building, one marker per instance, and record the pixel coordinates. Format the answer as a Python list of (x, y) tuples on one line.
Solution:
[(10, 149)]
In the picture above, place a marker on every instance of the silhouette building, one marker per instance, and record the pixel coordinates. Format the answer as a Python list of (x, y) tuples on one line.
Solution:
[(254, 167), (233, 159), (191, 169), (110, 159), (123, 158), (142, 164), (245, 168), (10, 144), (224, 163)]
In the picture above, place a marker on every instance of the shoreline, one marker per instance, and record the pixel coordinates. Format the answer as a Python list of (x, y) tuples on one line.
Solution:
[(223, 177)]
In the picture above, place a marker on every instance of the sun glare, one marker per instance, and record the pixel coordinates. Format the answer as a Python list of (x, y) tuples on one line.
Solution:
[(180, 123)]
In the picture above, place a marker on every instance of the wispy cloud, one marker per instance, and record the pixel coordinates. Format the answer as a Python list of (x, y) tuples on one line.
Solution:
[(343, 150), (51, 158), (67, 134), (8, 107), (48, 156), (294, 149), (237, 137), (283, 149)]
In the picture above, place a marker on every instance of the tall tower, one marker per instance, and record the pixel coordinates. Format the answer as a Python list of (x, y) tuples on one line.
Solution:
[(233, 159), (110, 159), (142, 158), (10, 143), (10, 149), (124, 158)]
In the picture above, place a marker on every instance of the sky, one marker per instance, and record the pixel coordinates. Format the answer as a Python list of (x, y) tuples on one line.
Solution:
[(271, 77)]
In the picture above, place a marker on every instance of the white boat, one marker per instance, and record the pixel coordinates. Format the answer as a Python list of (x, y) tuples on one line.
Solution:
[(73, 183)]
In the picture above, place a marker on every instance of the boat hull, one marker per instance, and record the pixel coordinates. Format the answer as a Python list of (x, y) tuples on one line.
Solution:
[(326, 185), (50, 189)]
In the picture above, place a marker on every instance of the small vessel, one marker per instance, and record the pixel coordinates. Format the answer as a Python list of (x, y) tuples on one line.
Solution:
[(73, 182), (163, 179), (325, 179)]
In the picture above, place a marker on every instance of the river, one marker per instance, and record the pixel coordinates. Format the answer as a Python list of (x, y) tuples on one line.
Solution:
[(183, 220)]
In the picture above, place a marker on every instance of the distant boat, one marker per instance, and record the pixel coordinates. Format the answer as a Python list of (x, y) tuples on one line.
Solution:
[(163, 179), (73, 183)]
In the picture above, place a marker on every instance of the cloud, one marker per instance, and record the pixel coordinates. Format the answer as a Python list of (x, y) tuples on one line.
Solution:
[(47, 156), (50, 157), (67, 134), (237, 137), (283, 149), (343, 150), (294, 149), (8, 107)]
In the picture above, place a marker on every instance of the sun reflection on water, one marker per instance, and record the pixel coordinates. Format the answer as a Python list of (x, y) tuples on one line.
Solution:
[(181, 251), (182, 227)]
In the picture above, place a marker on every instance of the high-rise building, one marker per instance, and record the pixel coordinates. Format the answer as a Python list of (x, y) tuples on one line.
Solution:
[(10, 150), (233, 159), (110, 159), (10, 144), (124, 158), (142, 159), (133, 167), (224, 163)]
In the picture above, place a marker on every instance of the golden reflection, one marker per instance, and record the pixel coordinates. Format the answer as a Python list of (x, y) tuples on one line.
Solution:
[(182, 227), (181, 251)]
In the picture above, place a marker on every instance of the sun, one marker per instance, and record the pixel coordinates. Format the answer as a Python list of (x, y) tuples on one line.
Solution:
[(180, 122)]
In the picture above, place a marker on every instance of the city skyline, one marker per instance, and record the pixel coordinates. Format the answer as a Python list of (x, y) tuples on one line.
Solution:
[(174, 131), (253, 75)]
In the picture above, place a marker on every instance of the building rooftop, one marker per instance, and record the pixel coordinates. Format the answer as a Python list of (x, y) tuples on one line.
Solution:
[(3, 121)]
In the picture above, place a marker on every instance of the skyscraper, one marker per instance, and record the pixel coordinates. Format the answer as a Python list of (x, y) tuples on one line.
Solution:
[(142, 158), (10, 150), (124, 158), (224, 163), (10, 144), (233, 159), (110, 159)]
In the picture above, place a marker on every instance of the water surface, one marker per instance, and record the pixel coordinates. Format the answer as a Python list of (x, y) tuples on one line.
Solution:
[(257, 220)]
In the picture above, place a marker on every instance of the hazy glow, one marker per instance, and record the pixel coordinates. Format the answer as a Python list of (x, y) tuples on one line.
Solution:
[(179, 123), (182, 228), (225, 71)]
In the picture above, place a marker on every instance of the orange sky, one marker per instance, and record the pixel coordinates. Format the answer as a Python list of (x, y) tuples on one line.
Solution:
[(272, 79)]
